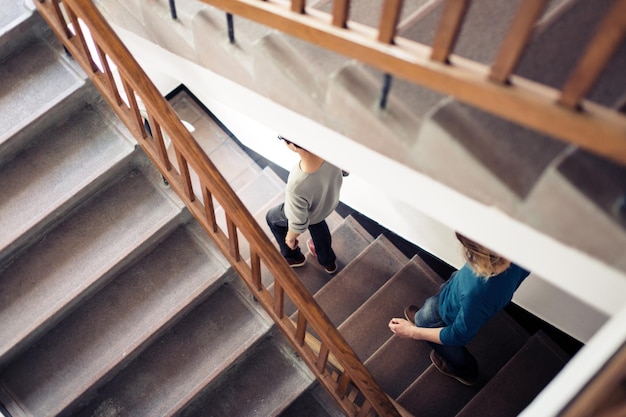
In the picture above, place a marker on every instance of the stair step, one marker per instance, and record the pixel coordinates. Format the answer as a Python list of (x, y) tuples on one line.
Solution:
[(367, 329), (354, 285), (349, 239), (179, 365), (519, 381), (82, 253), (264, 384), (547, 61), (16, 26), (40, 80), (434, 394), (61, 167), (108, 329)]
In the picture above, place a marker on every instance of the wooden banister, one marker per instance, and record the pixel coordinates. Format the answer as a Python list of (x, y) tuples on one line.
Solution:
[(606, 41), (598, 129), (516, 39), (449, 28), (136, 100)]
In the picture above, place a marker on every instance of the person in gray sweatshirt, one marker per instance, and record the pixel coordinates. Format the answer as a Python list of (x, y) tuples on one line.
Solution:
[(311, 195)]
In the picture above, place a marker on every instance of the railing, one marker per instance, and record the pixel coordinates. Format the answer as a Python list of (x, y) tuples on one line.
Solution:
[(564, 114), (136, 101)]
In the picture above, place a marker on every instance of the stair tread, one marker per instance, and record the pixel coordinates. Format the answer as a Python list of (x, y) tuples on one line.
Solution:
[(263, 385), (367, 328), (37, 79), (519, 381), (163, 378), (349, 239), (498, 340), (106, 330), (57, 168), (42, 283), (360, 279)]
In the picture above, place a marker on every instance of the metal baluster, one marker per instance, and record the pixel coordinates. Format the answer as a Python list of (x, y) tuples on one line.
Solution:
[(231, 27), (385, 90), (173, 9)]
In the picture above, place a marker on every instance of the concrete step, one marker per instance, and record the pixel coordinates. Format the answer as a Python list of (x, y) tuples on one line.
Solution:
[(80, 255), (264, 384), (532, 368), (549, 60), (44, 83), (315, 402), (435, 394), (110, 328), (16, 25), (60, 168), (366, 330), (180, 364), (362, 277)]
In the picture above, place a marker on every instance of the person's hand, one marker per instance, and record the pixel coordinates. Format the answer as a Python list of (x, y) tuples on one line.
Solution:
[(401, 327), (292, 242)]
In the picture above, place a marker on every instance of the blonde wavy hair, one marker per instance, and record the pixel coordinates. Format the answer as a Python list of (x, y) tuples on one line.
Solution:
[(483, 261)]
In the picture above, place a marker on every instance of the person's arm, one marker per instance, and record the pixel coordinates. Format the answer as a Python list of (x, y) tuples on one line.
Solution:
[(405, 329)]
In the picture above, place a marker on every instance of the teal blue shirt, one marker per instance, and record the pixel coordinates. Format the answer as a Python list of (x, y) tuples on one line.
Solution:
[(467, 301)]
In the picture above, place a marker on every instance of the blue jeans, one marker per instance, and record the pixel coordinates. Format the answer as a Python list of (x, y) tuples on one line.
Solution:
[(320, 234), (458, 359)]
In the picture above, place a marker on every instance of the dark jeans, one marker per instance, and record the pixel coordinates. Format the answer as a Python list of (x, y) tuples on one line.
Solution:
[(320, 235), (458, 359)]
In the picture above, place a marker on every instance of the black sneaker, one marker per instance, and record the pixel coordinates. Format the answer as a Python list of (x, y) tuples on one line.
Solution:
[(331, 269), (441, 366), (410, 312), (297, 261)]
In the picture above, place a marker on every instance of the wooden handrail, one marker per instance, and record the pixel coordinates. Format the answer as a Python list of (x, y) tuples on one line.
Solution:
[(136, 100), (599, 129)]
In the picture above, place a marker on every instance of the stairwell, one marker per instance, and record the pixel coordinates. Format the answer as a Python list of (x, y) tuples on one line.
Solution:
[(115, 303)]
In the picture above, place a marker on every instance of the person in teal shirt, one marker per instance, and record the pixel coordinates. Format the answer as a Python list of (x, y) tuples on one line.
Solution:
[(451, 318)]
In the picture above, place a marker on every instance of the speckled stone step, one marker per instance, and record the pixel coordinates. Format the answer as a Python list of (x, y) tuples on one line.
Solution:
[(180, 364), (79, 255)]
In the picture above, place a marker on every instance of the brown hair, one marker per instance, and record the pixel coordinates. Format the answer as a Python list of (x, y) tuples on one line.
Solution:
[(483, 261)]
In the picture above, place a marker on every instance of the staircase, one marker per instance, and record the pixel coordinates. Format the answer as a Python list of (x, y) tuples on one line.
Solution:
[(115, 303)]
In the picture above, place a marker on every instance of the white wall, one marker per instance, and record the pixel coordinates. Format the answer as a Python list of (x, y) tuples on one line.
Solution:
[(410, 204)]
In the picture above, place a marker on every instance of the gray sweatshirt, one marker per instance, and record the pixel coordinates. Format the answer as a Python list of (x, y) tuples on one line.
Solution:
[(310, 198)]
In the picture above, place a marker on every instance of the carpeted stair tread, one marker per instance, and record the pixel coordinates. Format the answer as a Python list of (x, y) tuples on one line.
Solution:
[(349, 239), (397, 363), (361, 278), (48, 279), (163, 378), (59, 168), (435, 394), (367, 328), (38, 79), (111, 326), (264, 384), (519, 381)]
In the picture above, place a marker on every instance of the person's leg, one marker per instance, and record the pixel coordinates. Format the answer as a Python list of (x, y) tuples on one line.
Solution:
[(278, 223), (320, 234), (457, 358)]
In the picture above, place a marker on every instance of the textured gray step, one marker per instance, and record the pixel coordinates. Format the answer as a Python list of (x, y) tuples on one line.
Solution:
[(435, 394), (367, 328), (58, 169), (600, 181), (349, 240), (40, 79), (267, 381), (519, 381), (109, 328), (17, 23), (554, 53), (361, 278), (79, 255), (176, 367)]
